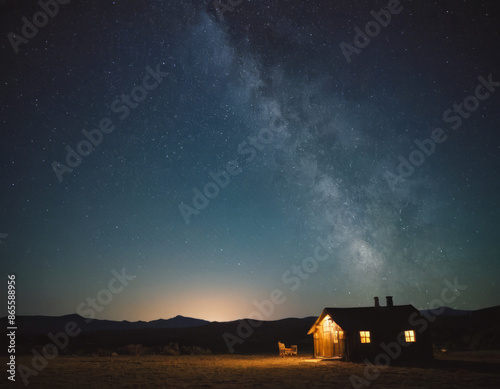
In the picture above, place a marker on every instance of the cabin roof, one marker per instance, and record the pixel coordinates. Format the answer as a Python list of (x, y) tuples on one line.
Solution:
[(369, 318)]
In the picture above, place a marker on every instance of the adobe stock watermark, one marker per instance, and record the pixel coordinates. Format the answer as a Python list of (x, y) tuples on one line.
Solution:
[(293, 278), (420, 321), (372, 29), (60, 341), (221, 8), (220, 180), (407, 166), (30, 28), (121, 106)]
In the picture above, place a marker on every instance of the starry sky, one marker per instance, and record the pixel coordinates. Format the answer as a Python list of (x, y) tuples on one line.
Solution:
[(178, 158)]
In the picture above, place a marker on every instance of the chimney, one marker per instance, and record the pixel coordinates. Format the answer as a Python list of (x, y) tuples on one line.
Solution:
[(377, 305), (389, 301)]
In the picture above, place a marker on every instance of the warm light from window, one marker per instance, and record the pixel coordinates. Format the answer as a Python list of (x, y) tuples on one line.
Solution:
[(365, 336), (341, 335), (410, 336)]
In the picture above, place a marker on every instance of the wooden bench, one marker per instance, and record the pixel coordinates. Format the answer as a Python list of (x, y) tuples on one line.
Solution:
[(287, 351)]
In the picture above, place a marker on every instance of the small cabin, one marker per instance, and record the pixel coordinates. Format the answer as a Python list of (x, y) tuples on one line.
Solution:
[(381, 335)]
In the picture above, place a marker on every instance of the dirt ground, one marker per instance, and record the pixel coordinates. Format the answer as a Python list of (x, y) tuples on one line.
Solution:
[(466, 370)]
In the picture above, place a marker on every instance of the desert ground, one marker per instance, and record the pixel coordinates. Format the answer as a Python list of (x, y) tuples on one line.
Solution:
[(450, 370)]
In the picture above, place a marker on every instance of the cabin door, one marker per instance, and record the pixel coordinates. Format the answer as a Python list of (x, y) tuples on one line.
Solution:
[(328, 344), (333, 344)]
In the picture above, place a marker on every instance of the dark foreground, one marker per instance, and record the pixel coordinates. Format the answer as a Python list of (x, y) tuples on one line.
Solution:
[(459, 370)]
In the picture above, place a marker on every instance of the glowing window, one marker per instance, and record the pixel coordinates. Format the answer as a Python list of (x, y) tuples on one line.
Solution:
[(341, 334), (336, 337), (365, 336), (410, 336)]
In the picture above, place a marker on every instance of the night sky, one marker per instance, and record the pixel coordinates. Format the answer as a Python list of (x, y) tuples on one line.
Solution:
[(206, 157)]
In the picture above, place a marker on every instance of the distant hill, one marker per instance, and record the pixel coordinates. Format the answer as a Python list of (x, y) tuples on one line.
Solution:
[(177, 322), (186, 334), (42, 325), (466, 330), (245, 339), (445, 311)]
